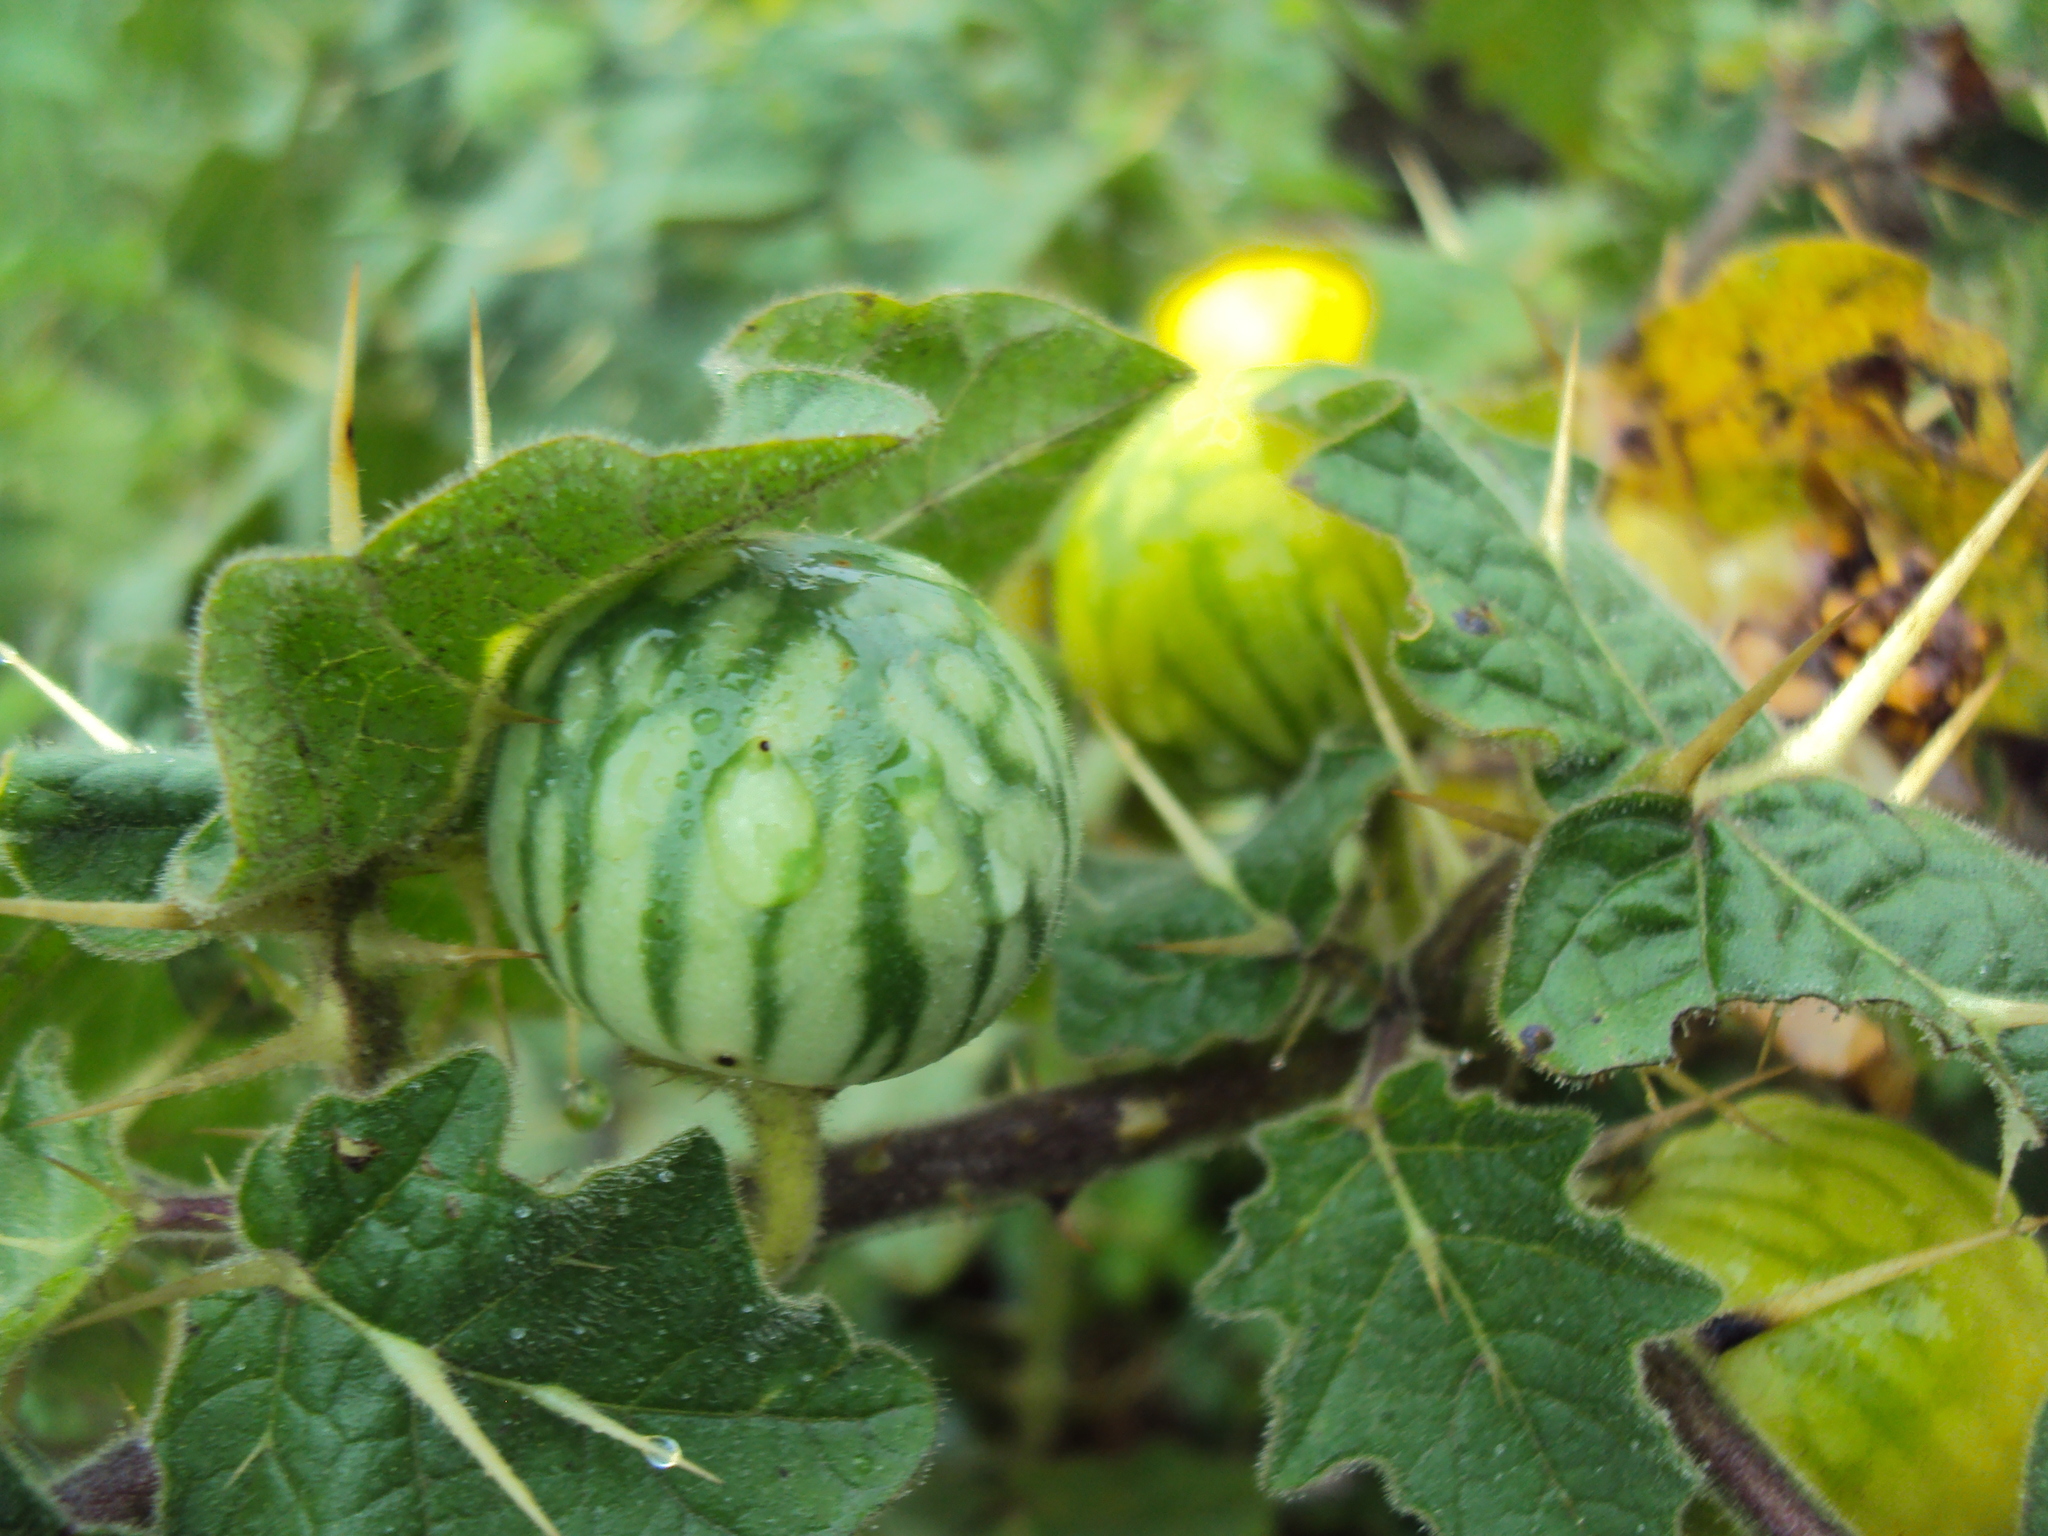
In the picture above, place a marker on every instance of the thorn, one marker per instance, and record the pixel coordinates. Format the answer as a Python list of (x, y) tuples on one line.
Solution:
[(1558, 491), (1682, 769), (1267, 939), (1800, 1303), (661, 1452), (127, 1199), (479, 399), (1697, 1092), (1453, 867), (289, 1049), (1310, 994), (240, 1275), (1508, 824), (344, 485), (1210, 862), (161, 916), (1819, 745), (1433, 206), (424, 1375), (1941, 746), (1617, 1139), (103, 735)]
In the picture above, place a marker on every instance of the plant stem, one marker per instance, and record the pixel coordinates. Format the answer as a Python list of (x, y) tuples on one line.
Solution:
[(788, 1172)]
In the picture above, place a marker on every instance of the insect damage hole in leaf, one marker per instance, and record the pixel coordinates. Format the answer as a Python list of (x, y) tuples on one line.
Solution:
[(1489, 1371), (634, 1298)]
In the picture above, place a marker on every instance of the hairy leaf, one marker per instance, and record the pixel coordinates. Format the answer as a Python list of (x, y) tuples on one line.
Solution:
[(103, 826), (1588, 658), (59, 1227), (1636, 910), (1119, 990), (1452, 1317), (636, 1292), (351, 697), (1028, 392)]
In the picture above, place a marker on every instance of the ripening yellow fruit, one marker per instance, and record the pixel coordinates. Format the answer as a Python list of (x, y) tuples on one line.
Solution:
[(1266, 307)]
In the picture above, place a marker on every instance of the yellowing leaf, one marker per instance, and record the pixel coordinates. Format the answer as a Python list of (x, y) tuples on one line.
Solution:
[(1818, 363)]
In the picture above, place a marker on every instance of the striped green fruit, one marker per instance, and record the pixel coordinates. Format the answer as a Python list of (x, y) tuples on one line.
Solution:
[(1910, 1406), (1196, 594), (801, 811)]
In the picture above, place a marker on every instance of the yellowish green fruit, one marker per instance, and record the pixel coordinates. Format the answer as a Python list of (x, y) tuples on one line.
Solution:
[(1910, 1406), (1265, 307), (1197, 596)]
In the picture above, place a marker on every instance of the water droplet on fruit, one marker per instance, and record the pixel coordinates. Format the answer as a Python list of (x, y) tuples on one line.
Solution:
[(586, 1105), (706, 719), (763, 828), (663, 1453)]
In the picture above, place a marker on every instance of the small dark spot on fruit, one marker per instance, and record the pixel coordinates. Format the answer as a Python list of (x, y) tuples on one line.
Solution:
[(763, 743), (1536, 1040), (726, 1059)]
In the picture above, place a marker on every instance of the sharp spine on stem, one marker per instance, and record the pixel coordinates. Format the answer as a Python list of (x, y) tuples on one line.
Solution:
[(1682, 769), (1941, 746), (1818, 746), (479, 396), (1557, 492), (344, 485), (103, 735)]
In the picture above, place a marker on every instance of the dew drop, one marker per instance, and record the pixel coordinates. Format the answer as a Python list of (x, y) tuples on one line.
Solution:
[(663, 1453), (666, 1176), (515, 1334), (522, 1210), (763, 828)]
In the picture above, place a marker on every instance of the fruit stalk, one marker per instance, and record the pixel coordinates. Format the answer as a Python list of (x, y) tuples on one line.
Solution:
[(789, 1171)]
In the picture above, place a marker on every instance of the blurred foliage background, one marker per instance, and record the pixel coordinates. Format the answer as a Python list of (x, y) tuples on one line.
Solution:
[(185, 184)]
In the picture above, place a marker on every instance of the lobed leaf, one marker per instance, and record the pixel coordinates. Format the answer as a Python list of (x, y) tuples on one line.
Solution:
[(1028, 392), (352, 698), (1119, 990), (1637, 910), (1450, 1316), (59, 1227), (1586, 657), (105, 826), (637, 1292)]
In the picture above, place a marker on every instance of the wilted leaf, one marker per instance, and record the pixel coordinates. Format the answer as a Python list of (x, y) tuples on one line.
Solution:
[(57, 1230), (1587, 657), (1450, 1316), (1119, 989), (103, 826), (1637, 910), (1028, 392), (1823, 354), (636, 1292)]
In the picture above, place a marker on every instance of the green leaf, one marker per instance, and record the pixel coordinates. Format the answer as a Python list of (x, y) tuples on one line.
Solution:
[(1028, 392), (816, 402), (1589, 659), (57, 1229), (1118, 990), (1636, 909), (103, 826), (1452, 1317), (1512, 59), (2034, 1506), (352, 698), (637, 1292)]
